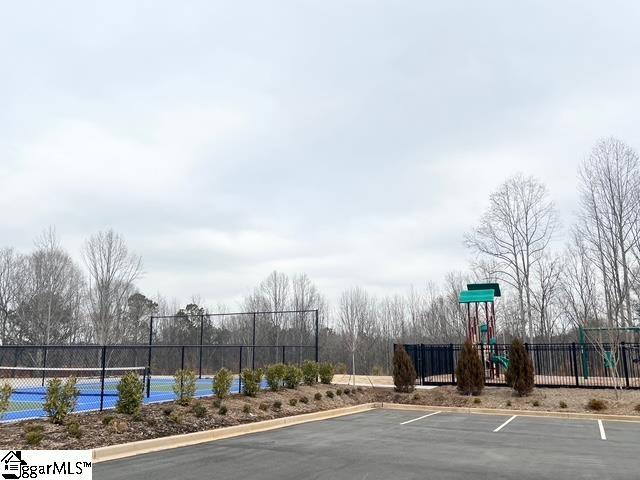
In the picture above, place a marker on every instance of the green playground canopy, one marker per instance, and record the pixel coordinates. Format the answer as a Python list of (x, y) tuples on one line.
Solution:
[(485, 286), (476, 296)]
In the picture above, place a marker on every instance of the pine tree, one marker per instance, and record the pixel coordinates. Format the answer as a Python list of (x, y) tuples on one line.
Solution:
[(519, 375), (470, 371), (404, 373)]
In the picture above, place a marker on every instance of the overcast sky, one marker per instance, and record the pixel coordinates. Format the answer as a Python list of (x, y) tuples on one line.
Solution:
[(353, 140)]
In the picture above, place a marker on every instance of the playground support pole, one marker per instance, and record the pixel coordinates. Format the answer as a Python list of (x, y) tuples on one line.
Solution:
[(469, 321), (476, 324), (584, 353)]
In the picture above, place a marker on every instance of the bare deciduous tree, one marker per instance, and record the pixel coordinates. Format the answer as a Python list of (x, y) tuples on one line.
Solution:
[(112, 273), (514, 232), (609, 221), (354, 319), (9, 289)]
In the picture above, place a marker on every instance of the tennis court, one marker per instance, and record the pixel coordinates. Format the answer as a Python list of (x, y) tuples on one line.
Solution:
[(28, 397)]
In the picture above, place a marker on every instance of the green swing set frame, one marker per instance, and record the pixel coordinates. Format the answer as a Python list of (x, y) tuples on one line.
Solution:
[(609, 358)]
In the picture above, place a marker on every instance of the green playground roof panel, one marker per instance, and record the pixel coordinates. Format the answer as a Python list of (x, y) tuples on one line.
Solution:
[(485, 286), (476, 296)]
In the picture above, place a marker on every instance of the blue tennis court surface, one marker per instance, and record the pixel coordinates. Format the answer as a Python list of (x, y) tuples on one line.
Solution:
[(27, 402)]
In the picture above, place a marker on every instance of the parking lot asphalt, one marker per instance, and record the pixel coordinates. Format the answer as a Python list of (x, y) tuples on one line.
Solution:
[(388, 444)]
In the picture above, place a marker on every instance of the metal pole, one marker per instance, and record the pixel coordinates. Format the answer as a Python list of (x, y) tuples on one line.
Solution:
[(44, 363), (453, 368), (240, 372), (182, 358), (422, 364), (317, 337), (624, 364), (284, 361), (253, 343), (201, 339), (149, 359), (104, 358), (574, 359)]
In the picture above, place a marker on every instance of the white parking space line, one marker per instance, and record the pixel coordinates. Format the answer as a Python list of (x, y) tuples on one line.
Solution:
[(603, 436), (505, 424), (420, 418)]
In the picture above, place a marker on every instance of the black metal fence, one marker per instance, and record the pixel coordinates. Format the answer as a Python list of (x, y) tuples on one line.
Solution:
[(99, 368), (555, 365)]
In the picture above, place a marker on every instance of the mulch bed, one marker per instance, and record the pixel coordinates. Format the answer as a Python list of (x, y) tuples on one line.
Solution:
[(100, 429)]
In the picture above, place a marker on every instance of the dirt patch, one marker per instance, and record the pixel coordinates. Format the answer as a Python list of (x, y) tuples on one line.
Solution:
[(100, 429), (365, 380)]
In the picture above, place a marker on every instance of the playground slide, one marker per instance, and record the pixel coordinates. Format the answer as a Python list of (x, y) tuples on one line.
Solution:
[(501, 360)]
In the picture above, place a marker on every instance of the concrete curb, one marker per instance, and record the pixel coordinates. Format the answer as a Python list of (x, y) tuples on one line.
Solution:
[(520, 413), (114, 452)]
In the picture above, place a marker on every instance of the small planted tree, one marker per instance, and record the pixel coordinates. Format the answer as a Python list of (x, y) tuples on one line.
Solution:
[(292, 376), (130, 394), (61, 399), (5, 398), (404, 373), (520, 375), (184, 386), (251, 380), (325, 371), (470, 371), (274, 375), (310, 372), (222, 382)]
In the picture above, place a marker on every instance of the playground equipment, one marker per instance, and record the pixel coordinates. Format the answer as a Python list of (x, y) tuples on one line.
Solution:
[(609, 355), (481, 323)]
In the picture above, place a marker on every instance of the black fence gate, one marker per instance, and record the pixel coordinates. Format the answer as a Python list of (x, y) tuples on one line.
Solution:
[(555, 365)]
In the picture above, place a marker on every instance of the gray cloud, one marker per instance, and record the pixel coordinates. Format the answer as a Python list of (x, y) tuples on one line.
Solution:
[(355, 141)]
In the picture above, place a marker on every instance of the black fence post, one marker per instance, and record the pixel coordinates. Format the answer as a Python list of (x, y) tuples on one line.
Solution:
[(317, 337), (453, 367), (284, 359), (103, 362), (240, 372), (421, 364), (15, 360), (44, 363), (574, 358), (624, 364), (182, 358), (253, 344), (201, 340), (149, 359)]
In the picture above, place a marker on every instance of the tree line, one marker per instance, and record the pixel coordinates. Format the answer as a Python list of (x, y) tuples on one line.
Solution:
[(553, 278)]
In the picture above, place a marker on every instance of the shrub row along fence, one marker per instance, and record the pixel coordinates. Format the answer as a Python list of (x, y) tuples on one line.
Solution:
[(555, 365), (99, 368)]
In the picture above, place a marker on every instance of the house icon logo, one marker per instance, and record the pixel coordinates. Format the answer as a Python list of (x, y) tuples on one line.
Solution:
[(11, 465)]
